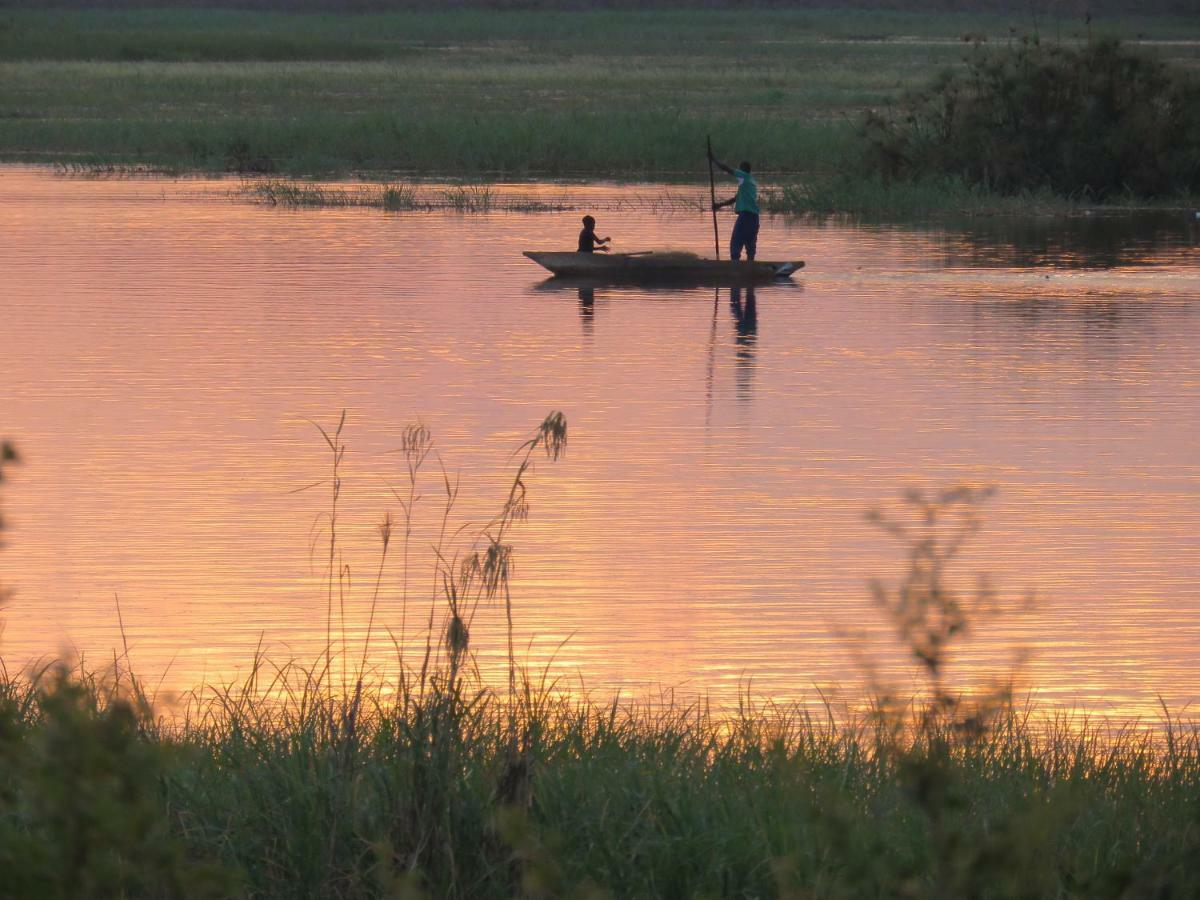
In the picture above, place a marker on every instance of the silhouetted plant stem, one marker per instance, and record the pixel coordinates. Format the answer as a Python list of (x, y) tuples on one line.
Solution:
[(334, 574)]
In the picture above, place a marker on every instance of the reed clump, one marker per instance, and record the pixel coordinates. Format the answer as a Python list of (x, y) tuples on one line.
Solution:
[(342, 778), (307, 194)]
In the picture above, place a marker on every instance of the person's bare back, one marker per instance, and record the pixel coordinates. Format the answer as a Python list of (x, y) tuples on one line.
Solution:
[(588, 242)]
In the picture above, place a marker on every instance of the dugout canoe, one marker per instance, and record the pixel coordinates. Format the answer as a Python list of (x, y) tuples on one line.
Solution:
[(662, 267)]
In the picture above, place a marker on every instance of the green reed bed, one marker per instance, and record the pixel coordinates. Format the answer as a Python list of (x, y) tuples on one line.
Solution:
[(615, 139), (866, 197), (464, 198), (389, 197), (871, 196), (423, 780)]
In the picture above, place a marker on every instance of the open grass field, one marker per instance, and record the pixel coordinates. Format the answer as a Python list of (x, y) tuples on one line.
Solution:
[(481, 93)]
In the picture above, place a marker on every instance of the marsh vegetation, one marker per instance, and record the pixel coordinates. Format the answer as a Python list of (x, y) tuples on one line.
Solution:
[(478, 92)]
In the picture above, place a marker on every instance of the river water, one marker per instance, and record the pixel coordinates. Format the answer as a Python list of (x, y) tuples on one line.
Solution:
[(167, 349)]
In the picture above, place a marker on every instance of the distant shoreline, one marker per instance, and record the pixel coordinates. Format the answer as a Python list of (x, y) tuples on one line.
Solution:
[(488, 95)]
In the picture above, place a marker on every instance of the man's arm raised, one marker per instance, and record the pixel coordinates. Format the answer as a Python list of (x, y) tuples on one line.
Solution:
[(720, 165)]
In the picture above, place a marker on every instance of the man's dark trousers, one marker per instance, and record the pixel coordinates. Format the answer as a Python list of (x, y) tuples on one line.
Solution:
[(745, 235)]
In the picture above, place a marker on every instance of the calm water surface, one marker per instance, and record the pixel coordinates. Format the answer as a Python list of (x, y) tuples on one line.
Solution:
[(165, 349)]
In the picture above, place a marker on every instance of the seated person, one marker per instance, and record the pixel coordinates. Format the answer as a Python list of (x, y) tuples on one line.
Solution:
[(588, 242)]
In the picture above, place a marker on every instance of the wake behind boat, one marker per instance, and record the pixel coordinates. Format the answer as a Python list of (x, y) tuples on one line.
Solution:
[(662, 267)]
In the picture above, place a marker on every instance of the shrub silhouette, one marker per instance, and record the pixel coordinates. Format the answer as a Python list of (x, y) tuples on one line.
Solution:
[(1093, 122), (82, 805)]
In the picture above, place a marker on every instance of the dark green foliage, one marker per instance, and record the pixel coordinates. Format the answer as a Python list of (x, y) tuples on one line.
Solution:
[(1092, 122), (83, 812)]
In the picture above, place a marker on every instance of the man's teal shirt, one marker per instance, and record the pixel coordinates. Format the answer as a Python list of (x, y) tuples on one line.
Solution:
[(747, 193)]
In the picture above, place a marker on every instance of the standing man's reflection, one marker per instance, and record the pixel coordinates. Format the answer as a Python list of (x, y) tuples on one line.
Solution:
[(745, 325), (587, 308)]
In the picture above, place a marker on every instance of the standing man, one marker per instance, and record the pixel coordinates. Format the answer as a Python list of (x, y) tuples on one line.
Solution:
[(745, 204)]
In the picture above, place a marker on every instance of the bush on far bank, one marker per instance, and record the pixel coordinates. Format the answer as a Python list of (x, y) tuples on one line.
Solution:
[(1093, 122)]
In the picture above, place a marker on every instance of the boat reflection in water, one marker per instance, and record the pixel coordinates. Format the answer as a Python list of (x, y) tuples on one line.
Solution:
[(742, 303)]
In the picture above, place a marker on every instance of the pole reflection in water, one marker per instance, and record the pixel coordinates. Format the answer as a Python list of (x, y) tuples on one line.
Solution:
[(712, 363)]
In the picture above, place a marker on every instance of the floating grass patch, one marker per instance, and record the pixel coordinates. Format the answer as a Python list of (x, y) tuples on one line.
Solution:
[(281, 193), (397, 197), (101, 170), (475, 198), (393, 198)]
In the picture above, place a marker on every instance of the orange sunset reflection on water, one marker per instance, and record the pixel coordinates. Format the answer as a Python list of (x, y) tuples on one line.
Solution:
[(167, 348)]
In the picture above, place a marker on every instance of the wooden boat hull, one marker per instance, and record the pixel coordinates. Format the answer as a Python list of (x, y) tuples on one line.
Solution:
[(661, 268)]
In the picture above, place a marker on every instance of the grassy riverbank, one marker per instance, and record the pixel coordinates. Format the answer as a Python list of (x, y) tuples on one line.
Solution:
[(479, 93), (286, 789)]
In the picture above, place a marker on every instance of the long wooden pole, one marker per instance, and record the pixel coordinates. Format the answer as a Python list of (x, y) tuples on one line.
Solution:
[(712, 193)]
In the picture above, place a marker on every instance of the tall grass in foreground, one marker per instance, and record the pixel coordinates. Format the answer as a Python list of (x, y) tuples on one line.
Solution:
[(329, 780), (305, 792)]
